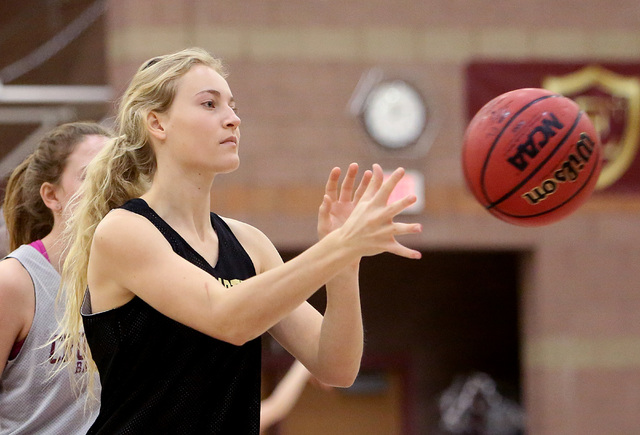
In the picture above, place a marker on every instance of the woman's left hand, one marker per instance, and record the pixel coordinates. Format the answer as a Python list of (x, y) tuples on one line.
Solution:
[(337, 205)]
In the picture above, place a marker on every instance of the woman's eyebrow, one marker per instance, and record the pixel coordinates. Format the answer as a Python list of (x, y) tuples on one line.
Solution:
[(209, 91)]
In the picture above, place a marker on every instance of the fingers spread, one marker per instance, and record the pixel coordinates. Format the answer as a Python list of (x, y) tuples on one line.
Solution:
[(349, 181), (364, 183), (325, 206), (387, 187), (402, 228), (403, 251), (375, 183), (398, 206), (399, 249), (324, 216), (331, 188)]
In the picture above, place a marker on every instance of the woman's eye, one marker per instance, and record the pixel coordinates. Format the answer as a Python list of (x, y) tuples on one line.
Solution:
[(210, 104)]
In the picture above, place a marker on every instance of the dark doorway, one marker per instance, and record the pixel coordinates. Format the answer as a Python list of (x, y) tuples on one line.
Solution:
[(450, 314)]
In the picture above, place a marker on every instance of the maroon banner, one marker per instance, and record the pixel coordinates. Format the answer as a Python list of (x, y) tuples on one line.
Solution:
[(608, 93)]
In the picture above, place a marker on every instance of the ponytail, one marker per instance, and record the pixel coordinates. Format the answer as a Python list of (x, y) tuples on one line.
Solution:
[(112, 178), (26, 217)]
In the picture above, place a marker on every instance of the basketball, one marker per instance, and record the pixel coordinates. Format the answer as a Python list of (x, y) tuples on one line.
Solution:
[(531, 157)]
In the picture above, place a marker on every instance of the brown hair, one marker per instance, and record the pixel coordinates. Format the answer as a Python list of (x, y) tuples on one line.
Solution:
[(27, 217)]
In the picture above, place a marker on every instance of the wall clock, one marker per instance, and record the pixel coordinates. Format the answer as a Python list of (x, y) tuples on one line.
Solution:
[(394, 114)]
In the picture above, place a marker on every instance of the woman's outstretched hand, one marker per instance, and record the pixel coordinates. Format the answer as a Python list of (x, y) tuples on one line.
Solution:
[(364, 217), (338, 204)]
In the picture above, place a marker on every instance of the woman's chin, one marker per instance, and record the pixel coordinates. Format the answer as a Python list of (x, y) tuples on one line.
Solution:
[(230, 166)]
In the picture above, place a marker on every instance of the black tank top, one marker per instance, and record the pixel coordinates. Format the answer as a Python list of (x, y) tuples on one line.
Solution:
[(159, 376)]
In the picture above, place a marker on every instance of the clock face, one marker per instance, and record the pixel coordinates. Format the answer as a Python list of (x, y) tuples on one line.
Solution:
[(394, 114)]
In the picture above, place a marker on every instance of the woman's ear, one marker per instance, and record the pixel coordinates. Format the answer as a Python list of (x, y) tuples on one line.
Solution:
[(49, 195), (155, 126)]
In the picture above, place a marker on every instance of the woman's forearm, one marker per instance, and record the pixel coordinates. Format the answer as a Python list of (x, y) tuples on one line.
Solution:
[(341, 338)]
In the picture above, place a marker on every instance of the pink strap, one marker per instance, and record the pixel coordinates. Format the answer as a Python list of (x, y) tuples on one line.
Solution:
[(40, 248)]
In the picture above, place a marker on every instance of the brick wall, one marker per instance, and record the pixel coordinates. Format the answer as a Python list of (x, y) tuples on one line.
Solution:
[(294, 66)]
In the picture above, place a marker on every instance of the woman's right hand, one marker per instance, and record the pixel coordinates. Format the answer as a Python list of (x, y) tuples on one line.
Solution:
[(370, 229)]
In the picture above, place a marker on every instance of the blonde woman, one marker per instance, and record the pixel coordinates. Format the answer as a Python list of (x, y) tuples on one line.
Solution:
[(174, 298), (34, 398)]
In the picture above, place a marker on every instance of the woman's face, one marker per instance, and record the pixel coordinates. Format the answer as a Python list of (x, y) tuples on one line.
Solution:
[(202, 128), (75, 167)]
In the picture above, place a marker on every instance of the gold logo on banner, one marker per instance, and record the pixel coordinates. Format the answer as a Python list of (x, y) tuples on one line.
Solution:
[(612, 101)]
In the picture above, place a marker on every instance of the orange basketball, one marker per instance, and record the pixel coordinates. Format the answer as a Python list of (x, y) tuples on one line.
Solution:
[(531, 157)]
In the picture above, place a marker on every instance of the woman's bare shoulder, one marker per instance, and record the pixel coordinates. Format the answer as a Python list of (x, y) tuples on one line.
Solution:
[(261, 250), (121, 231), (120, 220), (14, 279), (17, 302), (243, 229)]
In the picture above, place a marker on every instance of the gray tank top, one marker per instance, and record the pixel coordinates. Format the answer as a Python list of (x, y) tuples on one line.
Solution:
[(31, 400)]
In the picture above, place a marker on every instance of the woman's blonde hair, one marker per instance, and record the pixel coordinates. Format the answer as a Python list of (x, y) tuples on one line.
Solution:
[(26, 216), (122, 170)]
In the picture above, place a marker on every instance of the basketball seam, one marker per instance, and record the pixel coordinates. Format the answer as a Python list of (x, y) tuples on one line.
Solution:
[(585, 184), (537, 169), (544, 162), (497, 139)]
